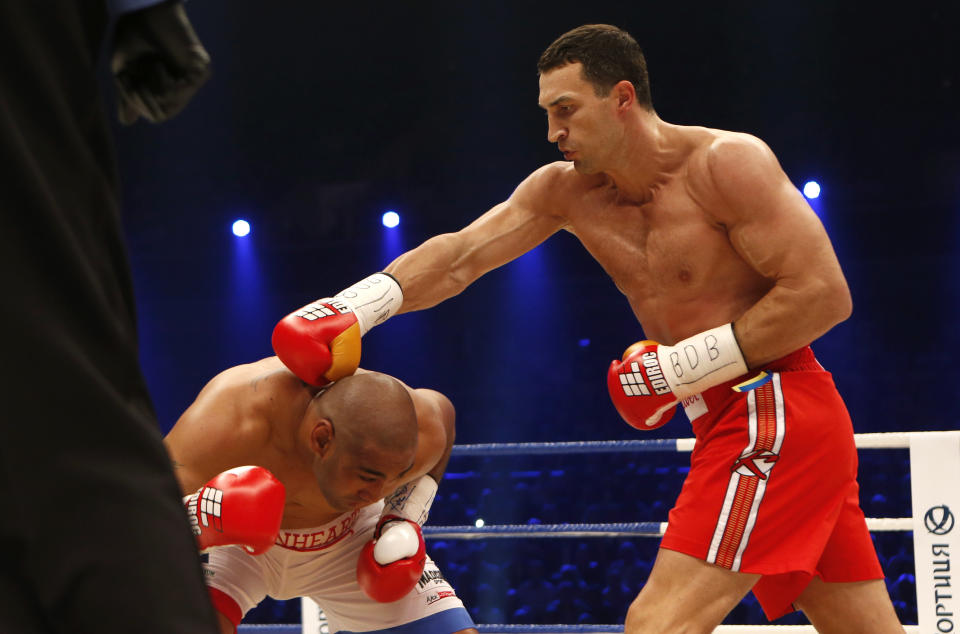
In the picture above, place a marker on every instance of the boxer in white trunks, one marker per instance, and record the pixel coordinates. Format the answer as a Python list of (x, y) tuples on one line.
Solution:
[(318, 493)]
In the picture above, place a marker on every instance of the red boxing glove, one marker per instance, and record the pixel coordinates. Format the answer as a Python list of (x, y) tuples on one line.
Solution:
[(652, 378), (320, 343), (390, 564), (243, 506), (638, 388)]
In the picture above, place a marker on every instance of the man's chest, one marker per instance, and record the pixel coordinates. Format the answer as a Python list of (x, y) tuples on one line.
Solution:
[(667, 242)]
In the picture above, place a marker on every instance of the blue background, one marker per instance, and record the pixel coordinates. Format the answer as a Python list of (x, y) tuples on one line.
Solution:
[(321, 116)]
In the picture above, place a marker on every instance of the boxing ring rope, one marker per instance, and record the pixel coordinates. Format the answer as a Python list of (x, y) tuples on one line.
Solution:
[(576, 629), (622, 529), (894, 440), (891, 440)]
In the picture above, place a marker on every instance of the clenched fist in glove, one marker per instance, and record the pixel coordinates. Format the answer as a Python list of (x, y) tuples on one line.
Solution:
[(391, 563), (243, 506), (651, 379), (320, 342), (158, 63)]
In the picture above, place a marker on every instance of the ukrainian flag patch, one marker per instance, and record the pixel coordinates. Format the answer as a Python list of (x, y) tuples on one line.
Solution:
[(752, 384)]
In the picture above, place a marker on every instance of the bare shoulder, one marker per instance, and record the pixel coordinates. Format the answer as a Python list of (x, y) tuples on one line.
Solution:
[(236, 406), (432, 404), (253, 386), (727, 167), (730, 150), (555, 186), (720, 151)]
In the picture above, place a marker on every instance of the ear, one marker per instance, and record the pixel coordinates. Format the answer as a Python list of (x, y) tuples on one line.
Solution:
[(624, 94), (321, 437)]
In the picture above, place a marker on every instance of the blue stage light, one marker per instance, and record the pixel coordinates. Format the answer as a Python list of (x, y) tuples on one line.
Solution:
[(391, 219), (241, 228), (811, 190)]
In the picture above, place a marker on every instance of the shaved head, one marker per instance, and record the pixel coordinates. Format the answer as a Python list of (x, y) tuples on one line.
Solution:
[(370, 409)]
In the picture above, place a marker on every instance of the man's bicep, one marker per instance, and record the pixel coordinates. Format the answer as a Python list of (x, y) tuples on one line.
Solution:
[(513, 227), (445, 265), (503, 234), (769, 222)]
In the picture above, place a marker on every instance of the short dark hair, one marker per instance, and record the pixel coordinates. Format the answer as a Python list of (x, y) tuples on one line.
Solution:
[(608, 55)]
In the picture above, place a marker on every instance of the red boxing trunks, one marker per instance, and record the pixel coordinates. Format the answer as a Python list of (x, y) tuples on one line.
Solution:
[(772, 487)]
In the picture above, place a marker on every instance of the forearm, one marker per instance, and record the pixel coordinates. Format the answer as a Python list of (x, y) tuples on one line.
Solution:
[(788, 318), (430, 273)]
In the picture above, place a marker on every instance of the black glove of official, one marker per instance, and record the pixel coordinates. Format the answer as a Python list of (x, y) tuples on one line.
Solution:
[(158, 63)]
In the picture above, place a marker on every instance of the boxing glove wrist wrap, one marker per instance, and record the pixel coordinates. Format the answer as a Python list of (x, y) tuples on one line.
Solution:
[(373, 300), (412, 501), (702, 361)]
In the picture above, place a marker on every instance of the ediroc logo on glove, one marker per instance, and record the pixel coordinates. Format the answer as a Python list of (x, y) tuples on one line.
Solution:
[(650, 380)]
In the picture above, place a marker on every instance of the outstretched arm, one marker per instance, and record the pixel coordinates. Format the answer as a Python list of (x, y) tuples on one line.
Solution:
[(321, 341), (446, 264)]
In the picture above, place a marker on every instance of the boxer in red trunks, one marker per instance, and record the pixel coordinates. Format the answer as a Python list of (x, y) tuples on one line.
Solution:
[(750, 503), (723, 263)]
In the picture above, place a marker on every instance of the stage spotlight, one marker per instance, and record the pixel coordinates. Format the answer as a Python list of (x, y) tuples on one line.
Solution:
[(478, 523), (811, 190), (241, 228), (391, 219)]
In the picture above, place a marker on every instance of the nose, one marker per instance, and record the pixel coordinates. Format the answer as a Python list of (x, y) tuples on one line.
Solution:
[(555, 132), (371, 493)]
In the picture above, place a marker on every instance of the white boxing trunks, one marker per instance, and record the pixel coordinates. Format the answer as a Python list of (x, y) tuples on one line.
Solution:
[(321, 563)]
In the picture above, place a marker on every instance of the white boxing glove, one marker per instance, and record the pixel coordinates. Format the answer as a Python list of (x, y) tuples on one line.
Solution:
[(398, 540)]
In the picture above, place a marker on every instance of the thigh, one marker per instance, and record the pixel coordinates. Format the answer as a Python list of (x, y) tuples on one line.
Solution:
[(860, 607), (684, 593), (244, 578)]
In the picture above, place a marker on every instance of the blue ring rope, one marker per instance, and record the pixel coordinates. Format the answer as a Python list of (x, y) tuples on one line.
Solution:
[(615, 529), (596, 446)]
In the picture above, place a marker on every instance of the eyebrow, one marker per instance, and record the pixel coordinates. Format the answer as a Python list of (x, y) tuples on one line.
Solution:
[(557, 101), (378, 474)]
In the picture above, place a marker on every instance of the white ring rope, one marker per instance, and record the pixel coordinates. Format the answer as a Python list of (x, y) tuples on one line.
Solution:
[(623, 529), (889, 440)]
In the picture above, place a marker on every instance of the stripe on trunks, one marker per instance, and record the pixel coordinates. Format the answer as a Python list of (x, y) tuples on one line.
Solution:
[(748, 480)]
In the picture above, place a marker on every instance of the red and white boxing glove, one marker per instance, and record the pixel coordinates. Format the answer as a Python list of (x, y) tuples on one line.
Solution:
[(320, 343), (391, 563), (651, 379), (242, 506)]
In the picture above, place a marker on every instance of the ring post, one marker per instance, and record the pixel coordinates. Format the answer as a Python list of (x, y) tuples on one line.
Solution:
[(312, 617), (935, 490)]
